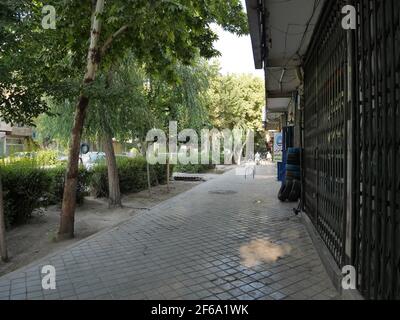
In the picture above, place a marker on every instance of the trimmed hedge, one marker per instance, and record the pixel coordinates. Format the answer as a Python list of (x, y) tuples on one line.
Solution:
[(47, 158), (194, 168), (56, 193), (24, 190), (27, 187), (132, 175), (40, 158), (198, 168)]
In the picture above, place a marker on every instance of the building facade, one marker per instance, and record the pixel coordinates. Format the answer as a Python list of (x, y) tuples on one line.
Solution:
[(345, 86), (13, 138)]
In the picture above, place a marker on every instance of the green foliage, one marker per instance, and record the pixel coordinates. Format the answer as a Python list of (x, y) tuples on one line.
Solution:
[(236, 100), (47, 158), (138, 103), (198, 168), (124, 94), (183, 101), (25, 158), (161, 173), (194, 168), (121, 90), (56, 192), (57, 124), (132, 174), (42, 158), (27, 187), (24, 190), (35, 62), (21, 88)]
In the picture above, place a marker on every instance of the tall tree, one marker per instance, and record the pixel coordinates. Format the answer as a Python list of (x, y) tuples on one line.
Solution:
[(180, 31), (120, 90), (17, 103), (182, 101), (21, 89), (124, 94), (236, 100), (159, 32), (69, 203)]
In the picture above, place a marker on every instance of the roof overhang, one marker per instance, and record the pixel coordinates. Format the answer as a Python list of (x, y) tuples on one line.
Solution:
[(281, 32), (254, 14), (278, 105)]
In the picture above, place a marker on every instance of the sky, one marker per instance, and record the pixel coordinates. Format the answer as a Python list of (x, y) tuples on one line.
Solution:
[(237, 53)]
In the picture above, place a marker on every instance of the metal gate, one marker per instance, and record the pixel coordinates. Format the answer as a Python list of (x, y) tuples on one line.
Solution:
[(376, 159), (325, 118), (374, 81)]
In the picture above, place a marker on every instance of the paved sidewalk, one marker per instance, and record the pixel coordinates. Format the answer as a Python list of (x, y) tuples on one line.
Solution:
[(228, 238)]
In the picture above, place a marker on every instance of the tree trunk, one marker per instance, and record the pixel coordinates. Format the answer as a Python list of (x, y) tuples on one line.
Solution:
[(148, 177), (69, 199), (114, 193), (3, 243), (168, 173)]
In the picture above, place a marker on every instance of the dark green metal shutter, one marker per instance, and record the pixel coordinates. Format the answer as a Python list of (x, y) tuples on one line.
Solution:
[(375, 119), (376, 125), (325, 115)]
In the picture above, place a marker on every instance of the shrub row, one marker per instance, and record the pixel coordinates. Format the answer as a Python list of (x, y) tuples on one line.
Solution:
[(47, 158), (132, 176), (55, 194), (40, 158), (24, 189), (194, 168), (27, 187)]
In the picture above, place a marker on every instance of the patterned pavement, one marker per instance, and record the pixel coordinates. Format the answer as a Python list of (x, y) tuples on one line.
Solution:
[(229, 238)]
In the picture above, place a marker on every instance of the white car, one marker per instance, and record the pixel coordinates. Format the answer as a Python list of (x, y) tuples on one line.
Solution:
[(91, 159)]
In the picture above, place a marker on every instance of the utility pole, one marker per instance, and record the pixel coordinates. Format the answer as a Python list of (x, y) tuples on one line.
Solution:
[(3, 243)]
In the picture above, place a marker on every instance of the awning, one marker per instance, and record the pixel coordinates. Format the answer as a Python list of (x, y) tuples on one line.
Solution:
[(281, 31)]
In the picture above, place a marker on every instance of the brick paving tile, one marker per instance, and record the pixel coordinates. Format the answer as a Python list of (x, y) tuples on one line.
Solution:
[(202, 244)]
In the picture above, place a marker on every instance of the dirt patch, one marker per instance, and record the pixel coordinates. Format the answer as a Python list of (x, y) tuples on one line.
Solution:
[(35, 240)]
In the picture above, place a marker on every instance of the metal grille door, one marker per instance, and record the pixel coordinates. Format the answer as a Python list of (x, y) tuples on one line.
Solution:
[(376, 125), (325, 115)]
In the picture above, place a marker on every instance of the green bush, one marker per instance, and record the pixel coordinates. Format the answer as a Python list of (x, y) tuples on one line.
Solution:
[(56, 192), (47, 158), (132, 176), (43, 158), (28, 187), (25, 187), (194, 168), (25, 158), (161, 173), (198, 168)]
